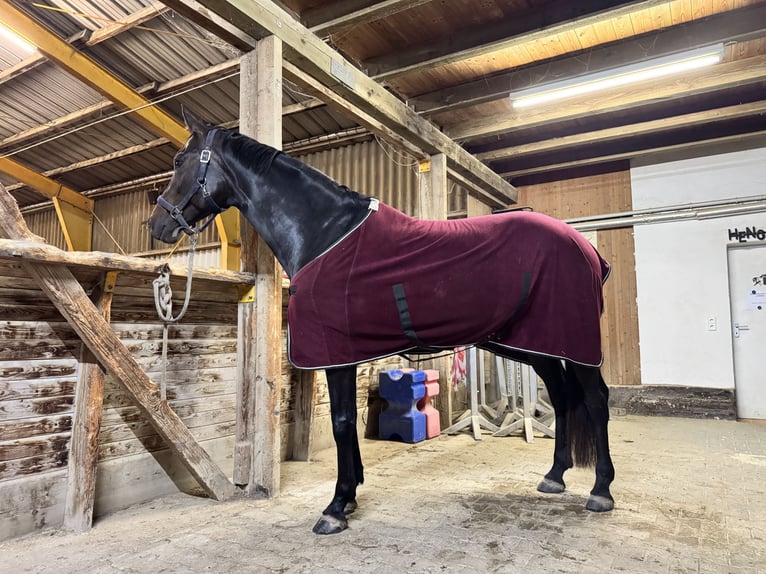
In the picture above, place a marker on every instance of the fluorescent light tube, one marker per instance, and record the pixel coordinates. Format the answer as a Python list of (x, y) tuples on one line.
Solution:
[(629, 74)]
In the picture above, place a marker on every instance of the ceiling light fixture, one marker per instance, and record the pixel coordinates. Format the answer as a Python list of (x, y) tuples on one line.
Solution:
[(15, 39), (647, 70)]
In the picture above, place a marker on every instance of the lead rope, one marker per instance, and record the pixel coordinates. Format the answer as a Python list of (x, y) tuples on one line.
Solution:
[(163, 302)]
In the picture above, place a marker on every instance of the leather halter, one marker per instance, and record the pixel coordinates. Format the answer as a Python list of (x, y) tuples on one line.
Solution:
[(175, 211)]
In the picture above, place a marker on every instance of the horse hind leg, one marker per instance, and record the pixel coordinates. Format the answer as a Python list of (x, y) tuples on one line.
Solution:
[(341, 383), (552, 373), (595, 398)]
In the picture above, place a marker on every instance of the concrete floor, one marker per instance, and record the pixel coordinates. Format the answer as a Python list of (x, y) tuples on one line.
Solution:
[(690, 494)]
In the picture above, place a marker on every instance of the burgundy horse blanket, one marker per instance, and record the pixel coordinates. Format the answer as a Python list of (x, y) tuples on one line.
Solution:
[(520, 281)]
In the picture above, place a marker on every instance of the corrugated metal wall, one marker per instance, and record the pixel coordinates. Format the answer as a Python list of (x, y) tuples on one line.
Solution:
[(368, 167), (371, 168)]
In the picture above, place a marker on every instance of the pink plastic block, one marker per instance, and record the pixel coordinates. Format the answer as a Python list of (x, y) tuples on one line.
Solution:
[(433, 426)]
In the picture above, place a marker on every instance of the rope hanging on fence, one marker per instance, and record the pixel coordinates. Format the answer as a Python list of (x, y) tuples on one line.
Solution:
[(163, 302)]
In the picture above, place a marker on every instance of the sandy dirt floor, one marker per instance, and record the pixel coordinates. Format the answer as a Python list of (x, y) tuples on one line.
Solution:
[(690, 497)]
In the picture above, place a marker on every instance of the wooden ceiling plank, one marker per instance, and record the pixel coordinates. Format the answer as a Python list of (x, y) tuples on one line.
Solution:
[(714, 78), (738, 25), (312, 55), (627, 131), (556, 17), (327, 19), (126, 23), (753, 139)]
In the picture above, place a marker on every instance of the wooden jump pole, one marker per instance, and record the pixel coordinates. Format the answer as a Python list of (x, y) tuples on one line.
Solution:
[(66, 293)]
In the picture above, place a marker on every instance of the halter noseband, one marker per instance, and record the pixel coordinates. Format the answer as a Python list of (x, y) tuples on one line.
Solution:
[(175, 211)]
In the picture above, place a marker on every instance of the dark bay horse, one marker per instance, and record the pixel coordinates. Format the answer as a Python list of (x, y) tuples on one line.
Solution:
[(530, 290)]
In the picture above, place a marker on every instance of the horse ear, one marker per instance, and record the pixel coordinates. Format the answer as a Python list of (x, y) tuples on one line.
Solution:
[(193, 123)]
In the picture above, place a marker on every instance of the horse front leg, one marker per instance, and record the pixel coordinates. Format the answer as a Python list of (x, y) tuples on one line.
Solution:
[(341, 383), (596, 399)]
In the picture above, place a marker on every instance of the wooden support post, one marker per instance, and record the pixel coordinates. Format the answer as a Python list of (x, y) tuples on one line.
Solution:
[(432, 204), (476, 207), (305, 397), (83, 447), (258, 452), (66, 293)]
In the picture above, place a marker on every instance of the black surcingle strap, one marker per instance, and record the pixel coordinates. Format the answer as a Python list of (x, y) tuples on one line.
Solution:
[(404, 316)]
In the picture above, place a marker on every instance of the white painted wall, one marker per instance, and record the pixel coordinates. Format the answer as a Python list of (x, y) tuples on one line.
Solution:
[(681, 267)]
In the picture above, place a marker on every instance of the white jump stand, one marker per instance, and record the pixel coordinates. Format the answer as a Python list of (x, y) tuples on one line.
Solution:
[(522, 418), (473, 417)]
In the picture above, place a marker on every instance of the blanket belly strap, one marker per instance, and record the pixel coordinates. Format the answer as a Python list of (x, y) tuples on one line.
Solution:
[(404, 315), (406, 321)]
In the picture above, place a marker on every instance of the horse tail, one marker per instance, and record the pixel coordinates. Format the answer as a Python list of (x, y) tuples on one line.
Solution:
[(580, 427)]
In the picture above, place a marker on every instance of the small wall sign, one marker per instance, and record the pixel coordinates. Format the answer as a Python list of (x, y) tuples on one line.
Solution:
[(747, 234)]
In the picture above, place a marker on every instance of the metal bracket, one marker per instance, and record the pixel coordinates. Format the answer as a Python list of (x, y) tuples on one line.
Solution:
[(110, 281), (246, 293)]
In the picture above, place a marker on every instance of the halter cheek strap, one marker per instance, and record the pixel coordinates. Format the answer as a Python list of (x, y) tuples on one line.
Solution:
[(176, 211)]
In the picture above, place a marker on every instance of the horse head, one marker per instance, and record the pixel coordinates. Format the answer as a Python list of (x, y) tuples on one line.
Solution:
[(197, 187)]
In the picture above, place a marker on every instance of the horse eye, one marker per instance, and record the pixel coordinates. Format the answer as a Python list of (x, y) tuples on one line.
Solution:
[(178, 161)]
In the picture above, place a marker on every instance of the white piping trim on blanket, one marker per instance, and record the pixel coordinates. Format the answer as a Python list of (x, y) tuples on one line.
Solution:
[(374, 203), (409, 349)]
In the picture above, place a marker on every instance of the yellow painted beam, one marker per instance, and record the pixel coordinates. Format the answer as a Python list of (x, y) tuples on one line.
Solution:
[(228, 230), (77, 225), (45, 185), (89, 72), (74, 211)]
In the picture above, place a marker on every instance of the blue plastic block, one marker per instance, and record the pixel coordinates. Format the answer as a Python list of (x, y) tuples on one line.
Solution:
[(401, 418)]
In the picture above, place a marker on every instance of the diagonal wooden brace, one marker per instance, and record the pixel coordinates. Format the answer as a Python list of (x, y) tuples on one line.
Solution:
[(66, 293)]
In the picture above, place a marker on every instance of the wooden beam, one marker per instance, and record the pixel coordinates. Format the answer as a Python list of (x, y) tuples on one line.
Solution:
[(732, 26), (66, 293), (337, 102), (132, 20), (74, 211), (627, 131), (258, 452), (243, 39), (329, 18), (40, 252), (313, 56), (711, 79), (48, 187), (552, 18), (86, 424), (92, 74), (738, 141)]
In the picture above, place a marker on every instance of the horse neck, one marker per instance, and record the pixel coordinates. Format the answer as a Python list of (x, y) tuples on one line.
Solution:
[(298, 211)]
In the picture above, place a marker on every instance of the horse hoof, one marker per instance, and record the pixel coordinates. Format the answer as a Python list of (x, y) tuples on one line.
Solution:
[(599, 503), (329, 525), (549, 486), (350, 507)]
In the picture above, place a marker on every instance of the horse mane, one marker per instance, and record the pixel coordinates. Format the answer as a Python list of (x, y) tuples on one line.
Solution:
[(259, 157)]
